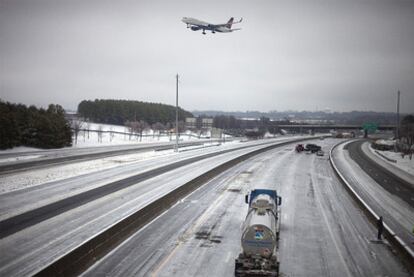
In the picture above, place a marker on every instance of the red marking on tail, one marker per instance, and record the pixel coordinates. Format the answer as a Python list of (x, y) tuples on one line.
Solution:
[(229, 23)]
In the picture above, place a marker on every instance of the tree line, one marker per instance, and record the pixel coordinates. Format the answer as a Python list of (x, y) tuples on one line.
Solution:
[(33, 127), (250, 128), (353, 117), (406, 145), (407, 129), (119, 112)]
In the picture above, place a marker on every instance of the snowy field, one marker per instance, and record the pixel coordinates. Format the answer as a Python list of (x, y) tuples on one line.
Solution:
[(112, 135), (404, 164), (102, 135), (106, 134)]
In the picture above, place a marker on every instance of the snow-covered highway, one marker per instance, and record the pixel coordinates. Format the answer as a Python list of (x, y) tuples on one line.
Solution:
[(22, 194), (11, 162), (323, 232), (383, 194), (34, 247)]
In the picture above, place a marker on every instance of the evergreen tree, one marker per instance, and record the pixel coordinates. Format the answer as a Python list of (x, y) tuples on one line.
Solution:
[(9, 131), (33, 127), (120, 111)]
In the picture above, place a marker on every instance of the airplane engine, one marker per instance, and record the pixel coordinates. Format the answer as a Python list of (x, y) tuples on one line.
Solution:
[(195, 28)]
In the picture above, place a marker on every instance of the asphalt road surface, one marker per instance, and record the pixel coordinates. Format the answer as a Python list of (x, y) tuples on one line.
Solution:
[(70, 155), (32, 217), (323, 232), (397, 213), (382, 176), (27, 251)]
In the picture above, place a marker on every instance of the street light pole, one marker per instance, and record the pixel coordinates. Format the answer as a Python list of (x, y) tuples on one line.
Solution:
[(176, 117), (397, 133)]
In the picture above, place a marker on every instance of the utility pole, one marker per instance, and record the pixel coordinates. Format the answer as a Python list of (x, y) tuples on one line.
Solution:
[(176, 117), (397, 133)]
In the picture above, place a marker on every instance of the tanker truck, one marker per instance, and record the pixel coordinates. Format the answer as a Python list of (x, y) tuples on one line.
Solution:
[(260, 235)]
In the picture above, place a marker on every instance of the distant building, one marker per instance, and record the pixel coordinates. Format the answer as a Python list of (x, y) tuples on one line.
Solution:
[(206, 123), (191, 123), (198, 123)]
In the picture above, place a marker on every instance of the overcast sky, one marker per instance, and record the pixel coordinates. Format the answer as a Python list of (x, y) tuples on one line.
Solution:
[(300, 55)]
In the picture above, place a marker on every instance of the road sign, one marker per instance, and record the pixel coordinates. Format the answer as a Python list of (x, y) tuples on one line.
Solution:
[(370, 126)]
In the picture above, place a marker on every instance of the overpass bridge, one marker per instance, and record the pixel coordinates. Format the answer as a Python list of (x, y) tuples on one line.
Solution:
[(327, 127)]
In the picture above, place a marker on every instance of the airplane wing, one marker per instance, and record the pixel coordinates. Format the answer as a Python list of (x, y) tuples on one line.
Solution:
[(200, 23)]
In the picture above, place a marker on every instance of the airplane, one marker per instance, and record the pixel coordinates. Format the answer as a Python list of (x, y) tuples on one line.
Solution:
[(196, 25)]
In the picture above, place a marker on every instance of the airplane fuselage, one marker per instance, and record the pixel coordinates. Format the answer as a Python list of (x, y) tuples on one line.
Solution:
[(197, 25)]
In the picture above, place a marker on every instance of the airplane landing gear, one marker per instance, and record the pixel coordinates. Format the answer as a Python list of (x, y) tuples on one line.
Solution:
[(204, 32)]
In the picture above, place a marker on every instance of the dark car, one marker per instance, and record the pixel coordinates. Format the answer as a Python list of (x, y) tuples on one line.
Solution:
[(312, 148), (299, 148)]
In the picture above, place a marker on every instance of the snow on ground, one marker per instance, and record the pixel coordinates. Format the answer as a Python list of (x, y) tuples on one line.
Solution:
[(102, 135), (404, 164), (31, 178), (36, 177), (18, 150), (112, 135), (200, 236), (19, 158), (106, 134), (385, 142), (379, 199)]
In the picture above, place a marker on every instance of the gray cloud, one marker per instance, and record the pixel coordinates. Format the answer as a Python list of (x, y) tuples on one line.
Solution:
[(346, 55)]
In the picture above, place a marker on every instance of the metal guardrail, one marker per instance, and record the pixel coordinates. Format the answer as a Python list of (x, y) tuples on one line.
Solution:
[(385, 157), (42, 162), (83, 256), (392, 237)]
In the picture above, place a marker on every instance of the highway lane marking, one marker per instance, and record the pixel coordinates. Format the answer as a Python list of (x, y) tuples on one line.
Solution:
[(58, 240), (228, 256), (326, 220), (200, 221), (166, 260)]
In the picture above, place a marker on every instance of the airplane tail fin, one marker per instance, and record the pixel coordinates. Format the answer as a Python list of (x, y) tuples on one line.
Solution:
[(229, 23)]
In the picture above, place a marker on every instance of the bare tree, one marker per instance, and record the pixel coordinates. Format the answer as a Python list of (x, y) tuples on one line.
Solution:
[(159, 127), (130, 128), (143, 126), (76, 126), (181, 127), (100, 133), (137, 127), (111, 133), (168, 128), (407, 136), (88, 127), (125, 133)]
